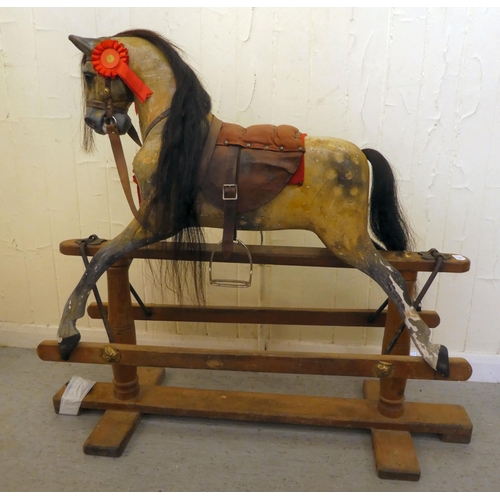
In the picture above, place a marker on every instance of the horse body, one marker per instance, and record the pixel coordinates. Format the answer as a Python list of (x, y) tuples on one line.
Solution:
[(333, 201), (335, 184)]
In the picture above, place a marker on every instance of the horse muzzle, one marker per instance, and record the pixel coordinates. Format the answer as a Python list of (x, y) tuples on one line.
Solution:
[(96, 120)]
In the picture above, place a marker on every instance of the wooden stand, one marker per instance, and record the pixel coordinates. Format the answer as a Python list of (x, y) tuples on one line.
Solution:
[(136, 390)]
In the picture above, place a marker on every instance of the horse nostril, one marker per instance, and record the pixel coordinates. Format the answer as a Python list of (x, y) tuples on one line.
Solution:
[(95, 124)]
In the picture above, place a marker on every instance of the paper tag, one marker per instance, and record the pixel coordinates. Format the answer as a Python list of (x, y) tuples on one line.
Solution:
[(74, 393), (459, 257)]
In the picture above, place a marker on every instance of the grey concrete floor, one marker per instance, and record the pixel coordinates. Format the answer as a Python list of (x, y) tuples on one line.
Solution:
[(42, 451)]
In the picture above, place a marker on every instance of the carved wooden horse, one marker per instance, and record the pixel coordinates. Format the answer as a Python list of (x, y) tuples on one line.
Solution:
[(176, 123)]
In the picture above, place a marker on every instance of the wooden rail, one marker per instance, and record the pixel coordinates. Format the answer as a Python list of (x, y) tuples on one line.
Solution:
[(283, 256), (410, 367)]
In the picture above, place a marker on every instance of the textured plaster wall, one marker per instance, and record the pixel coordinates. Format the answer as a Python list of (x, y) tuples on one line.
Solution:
[(420, 85)]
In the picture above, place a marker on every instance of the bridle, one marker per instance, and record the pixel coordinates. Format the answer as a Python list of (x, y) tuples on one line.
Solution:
[(110, 60), (109, 107), (111, 129)]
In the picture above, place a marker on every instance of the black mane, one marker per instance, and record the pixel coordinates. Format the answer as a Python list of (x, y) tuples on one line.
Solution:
[(176, 181)]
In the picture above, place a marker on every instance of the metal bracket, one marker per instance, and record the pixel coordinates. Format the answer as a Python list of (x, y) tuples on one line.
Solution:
[(439, 257), (433, 254), (92, 240)]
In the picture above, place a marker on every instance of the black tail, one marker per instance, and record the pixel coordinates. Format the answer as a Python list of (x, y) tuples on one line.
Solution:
[(387, 221)]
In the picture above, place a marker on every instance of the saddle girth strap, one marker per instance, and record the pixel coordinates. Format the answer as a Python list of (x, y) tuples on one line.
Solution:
[(229, 191)]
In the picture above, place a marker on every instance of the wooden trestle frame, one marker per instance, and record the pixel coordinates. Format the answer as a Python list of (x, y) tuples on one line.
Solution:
[(139, 370)]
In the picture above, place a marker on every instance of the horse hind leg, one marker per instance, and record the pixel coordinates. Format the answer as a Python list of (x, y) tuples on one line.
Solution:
[(366, 258), (392, 282)]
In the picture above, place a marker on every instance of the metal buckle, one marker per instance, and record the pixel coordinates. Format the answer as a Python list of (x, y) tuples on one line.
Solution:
[(228, 283), (228, 198)]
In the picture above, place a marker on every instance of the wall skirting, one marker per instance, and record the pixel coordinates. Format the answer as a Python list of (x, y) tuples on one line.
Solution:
[(486, 367)]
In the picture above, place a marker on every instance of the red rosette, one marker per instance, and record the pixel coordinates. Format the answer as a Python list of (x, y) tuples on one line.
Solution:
[(107, 56), (110, 59)]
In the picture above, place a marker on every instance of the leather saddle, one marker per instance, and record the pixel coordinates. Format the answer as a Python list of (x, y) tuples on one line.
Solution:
[(242, 169)]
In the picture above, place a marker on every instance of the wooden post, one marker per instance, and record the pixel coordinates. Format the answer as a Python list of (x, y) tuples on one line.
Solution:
[(115, 428), (126, 381), (392, 390), (395, 456)]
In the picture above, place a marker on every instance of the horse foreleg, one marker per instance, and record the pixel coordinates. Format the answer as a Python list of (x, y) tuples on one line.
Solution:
[(368, 260), (132, 238)]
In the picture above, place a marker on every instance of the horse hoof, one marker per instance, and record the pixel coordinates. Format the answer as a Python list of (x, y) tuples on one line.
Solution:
[(443, 364), (67, 345)]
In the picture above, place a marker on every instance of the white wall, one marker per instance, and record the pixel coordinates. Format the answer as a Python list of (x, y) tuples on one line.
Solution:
[(421, 85)]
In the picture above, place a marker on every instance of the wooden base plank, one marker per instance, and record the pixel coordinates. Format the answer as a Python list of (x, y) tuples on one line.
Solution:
[(112, 433), (115, 428), (457, 437), (456, 434), (395, 456), (280, 408)]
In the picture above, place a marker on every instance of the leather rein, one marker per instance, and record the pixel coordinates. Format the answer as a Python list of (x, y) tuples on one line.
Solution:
[(116, 145)]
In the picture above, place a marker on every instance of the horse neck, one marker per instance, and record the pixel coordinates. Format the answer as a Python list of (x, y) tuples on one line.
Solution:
[(151, 110), (153, 69)]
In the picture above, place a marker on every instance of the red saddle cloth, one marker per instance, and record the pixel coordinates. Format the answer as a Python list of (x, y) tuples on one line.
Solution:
[(267, 158)]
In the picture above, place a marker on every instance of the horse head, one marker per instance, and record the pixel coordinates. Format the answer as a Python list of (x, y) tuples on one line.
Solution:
[(107, 97)]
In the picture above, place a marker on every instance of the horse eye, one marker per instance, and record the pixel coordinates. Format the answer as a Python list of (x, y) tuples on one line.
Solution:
[(89, 77)]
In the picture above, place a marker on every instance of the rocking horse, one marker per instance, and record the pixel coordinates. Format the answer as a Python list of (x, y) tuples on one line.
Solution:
[(195, 171)]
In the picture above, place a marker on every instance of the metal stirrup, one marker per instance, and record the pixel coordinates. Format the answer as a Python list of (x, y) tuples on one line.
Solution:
[(229, 283)]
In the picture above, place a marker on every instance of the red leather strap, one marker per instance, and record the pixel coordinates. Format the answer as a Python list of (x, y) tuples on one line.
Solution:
[(297, 178)]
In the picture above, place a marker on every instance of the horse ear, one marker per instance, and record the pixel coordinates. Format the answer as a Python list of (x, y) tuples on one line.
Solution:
[(86, 45)]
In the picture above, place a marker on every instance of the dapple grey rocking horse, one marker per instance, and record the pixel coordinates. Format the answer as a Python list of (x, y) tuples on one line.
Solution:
[(195, 171)]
